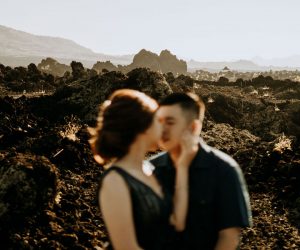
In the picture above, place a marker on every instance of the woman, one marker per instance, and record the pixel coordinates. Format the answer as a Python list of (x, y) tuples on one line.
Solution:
[(135, 209)]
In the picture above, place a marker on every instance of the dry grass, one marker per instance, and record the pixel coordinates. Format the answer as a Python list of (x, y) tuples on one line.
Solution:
[(71, 127), (284, 143)]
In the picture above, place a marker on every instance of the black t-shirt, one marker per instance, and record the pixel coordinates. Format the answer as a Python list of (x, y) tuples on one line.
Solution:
[(218, 196), (150, 212)]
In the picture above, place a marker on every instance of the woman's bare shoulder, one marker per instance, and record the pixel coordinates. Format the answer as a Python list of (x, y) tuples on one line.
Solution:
[(113, 184)]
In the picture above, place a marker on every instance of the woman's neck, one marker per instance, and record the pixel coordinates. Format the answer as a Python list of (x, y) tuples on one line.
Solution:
[(134, 158)]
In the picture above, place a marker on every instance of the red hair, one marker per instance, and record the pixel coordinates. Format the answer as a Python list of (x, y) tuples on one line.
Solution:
[(126, 114)]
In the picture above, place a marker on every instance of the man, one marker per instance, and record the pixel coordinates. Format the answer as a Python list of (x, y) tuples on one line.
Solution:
[(218, 197)]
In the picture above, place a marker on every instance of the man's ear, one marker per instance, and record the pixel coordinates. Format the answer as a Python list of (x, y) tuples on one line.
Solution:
[(196, 127)]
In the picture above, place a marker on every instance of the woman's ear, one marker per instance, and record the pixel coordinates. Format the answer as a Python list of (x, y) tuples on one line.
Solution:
[(99, 159)]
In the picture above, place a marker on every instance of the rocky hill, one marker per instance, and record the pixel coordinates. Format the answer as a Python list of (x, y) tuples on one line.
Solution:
[(18, 48), (164, 63), (53, 67)]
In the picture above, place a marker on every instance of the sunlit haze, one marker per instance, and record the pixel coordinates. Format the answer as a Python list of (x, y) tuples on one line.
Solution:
[(200, 30)]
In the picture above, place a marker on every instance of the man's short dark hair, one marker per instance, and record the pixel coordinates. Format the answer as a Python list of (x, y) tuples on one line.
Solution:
[(189, 102)]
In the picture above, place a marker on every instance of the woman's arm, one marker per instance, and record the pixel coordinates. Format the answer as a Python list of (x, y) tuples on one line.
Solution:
[(116, 208), (180, 199), (228, 239), (189, 149)]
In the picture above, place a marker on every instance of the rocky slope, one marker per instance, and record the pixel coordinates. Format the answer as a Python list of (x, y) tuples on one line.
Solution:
[(47, 168)]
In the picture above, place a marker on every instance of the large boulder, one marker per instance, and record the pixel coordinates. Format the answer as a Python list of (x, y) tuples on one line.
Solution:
[(170, 63), (163, 63), (146, 59), (53, 67)]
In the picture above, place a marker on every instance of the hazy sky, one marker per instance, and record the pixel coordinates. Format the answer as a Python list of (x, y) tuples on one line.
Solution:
[(191, 29)]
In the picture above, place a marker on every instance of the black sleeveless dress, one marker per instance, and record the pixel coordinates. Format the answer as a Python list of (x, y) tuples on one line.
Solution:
[(150, 213)]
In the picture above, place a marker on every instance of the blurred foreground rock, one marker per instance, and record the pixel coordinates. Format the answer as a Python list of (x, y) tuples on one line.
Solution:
[(28, 185)]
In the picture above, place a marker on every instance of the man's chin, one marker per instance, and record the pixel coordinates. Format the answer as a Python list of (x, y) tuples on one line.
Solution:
[(165, 146), (154, 148)]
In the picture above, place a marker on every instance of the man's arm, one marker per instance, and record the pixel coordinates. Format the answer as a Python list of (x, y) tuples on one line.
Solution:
[(228, 239), (233, 207)]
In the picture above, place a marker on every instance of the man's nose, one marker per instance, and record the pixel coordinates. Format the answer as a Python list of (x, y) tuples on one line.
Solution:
[(164, 130), (164, 126)]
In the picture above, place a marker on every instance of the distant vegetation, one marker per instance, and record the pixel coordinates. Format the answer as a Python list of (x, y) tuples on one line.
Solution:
[(232, 75)]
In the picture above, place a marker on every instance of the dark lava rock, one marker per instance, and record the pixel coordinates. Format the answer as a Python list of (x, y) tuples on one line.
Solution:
[(77, 70), (33, 70), (247, 126), (100, 66), (149, 82), (265, 117), (83, 97), (29, 79), (28, 185), (182, 83)]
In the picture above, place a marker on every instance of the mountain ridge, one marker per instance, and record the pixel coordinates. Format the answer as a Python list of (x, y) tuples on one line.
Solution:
[(20, 48), (16, 46)]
